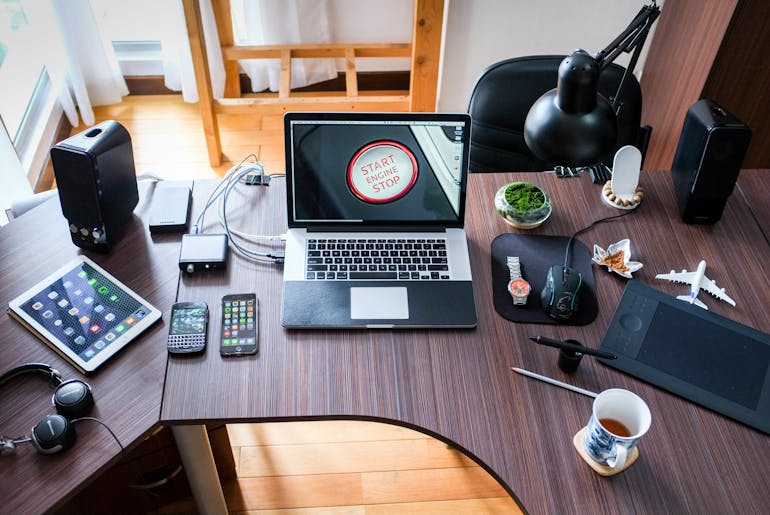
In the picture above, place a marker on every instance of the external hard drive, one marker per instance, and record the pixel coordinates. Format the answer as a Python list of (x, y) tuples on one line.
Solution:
[(170, 210)]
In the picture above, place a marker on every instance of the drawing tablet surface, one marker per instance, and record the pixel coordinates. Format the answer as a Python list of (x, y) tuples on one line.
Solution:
[(83, 313), (701, 356)]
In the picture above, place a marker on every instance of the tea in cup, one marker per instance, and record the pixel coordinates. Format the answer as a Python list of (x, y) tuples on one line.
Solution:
[(618, 420)]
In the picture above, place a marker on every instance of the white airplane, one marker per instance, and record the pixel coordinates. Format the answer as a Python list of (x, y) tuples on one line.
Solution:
[(697, 281)]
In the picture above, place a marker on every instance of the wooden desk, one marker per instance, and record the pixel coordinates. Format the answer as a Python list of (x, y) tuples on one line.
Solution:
[(753, 187), (457, 384), (127, 389)]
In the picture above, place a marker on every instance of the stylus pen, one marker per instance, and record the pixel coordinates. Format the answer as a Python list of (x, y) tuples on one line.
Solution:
[(554, 382), (542, 340)]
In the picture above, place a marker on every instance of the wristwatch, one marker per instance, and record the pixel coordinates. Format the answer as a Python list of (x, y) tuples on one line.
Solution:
[(517, 287)]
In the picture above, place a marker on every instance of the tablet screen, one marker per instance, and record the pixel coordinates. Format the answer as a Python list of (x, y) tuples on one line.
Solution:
[(84, 312)]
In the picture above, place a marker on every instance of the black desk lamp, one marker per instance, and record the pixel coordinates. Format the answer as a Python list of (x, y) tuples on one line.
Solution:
[(574, 125)]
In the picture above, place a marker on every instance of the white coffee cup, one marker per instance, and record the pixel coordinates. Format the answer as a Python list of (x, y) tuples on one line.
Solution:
[(618, 420)]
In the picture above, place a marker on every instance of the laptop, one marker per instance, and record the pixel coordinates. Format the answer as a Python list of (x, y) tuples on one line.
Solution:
[(376, 206)]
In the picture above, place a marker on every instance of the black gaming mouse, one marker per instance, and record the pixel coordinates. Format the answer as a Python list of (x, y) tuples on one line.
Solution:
[(560, 295)]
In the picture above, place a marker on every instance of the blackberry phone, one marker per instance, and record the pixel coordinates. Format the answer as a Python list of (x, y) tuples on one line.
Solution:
[(188, 328), (239, 325)]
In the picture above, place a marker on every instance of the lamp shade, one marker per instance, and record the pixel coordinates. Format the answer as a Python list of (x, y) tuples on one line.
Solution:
[(572, 125)]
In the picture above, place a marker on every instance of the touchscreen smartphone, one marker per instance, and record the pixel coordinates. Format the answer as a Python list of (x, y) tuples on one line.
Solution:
[(188, 327), (239, 325)]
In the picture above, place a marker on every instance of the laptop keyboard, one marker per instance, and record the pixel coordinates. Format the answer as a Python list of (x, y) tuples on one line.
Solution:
[(385, 259)]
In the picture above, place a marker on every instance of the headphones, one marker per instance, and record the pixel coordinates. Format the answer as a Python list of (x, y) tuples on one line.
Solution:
[(72, 399)]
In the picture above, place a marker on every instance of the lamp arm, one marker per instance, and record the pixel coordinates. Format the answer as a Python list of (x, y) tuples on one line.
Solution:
[(633, 37), (631, 64)]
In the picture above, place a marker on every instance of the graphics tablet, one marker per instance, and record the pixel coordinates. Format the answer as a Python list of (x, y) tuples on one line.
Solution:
[(701, 356), (83, 313)]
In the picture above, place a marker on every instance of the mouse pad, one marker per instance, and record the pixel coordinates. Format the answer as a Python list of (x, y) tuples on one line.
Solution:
[(537, 254)]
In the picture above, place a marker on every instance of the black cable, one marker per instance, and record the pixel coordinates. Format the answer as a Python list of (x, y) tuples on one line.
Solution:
[(589, 226), (94, 419)]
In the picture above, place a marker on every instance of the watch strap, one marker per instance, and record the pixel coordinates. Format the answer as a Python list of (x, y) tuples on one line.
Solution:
[(514, 267)]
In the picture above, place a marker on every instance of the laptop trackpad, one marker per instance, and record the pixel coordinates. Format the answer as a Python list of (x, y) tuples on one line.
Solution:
[(379, 303)]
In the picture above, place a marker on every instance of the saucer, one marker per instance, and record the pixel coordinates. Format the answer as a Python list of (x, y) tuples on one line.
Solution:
[(603, 470)]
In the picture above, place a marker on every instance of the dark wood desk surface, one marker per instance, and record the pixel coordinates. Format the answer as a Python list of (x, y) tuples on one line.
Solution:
[(753, 186), (457, 384), (127, 389)]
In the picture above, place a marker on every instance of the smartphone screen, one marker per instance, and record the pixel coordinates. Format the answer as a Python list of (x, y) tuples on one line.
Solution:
[(239, 325), (188, 327)]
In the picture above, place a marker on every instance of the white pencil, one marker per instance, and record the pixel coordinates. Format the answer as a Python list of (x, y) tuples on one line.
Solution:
[(554, 382)]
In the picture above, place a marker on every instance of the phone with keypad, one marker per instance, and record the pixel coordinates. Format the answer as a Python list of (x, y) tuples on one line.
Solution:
[(188, 328)]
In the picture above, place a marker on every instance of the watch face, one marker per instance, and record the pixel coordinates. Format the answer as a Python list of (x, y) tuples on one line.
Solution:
[(519, 288)]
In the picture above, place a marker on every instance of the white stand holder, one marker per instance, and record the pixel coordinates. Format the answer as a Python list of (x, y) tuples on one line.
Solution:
[(623, 190)]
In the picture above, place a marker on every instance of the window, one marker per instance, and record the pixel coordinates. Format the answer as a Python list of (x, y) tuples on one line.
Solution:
[(136, 36), (24, 86), (21, 59)]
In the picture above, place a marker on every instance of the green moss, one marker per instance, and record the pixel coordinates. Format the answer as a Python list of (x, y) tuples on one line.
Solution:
[(524, 197)]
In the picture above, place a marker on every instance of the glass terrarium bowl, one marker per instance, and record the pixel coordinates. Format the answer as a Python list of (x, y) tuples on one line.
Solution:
[(523, 205)]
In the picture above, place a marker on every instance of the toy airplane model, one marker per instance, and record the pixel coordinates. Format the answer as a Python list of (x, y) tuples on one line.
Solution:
[(697, 281)]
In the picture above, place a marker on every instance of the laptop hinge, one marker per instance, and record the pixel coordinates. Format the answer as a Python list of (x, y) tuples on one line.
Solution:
[(379, 228)]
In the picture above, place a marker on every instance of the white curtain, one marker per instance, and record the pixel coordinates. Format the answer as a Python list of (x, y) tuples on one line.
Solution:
[(255, 22), (178, 71), (85, 70), (272, 22)]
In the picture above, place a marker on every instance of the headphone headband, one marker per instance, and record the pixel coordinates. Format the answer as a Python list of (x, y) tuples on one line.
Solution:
[(72, 399), (54, 376)]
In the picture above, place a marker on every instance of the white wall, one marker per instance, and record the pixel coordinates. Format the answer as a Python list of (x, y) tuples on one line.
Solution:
[(482, 32), (372, 21)]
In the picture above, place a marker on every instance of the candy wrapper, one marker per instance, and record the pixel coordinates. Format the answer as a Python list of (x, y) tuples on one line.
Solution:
[(617, 258)]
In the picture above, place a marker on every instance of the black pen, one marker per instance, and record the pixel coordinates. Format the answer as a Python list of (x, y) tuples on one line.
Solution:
[(542, 340)]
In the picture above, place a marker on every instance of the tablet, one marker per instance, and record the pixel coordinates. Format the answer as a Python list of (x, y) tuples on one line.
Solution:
[(694, 353), (83, 313)]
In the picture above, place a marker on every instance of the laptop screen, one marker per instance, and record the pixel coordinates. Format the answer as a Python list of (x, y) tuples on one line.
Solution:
[(376, 169)]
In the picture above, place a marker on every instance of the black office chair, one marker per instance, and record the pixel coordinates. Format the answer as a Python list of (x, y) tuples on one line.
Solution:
[(505, 91)]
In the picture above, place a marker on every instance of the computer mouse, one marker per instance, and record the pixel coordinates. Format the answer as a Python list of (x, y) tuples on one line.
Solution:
[(560, 295)]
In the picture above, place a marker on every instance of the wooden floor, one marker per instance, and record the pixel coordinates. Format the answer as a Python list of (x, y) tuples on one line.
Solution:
[(304, 468), (167, 137)]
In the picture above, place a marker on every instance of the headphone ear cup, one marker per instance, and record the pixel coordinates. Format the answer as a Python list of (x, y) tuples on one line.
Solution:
[(73, 399), (53, 434)]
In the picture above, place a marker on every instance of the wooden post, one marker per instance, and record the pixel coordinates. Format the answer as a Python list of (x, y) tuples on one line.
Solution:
[(224, 23), (284, 86), (426, 53), (351, 79), (192, 15)]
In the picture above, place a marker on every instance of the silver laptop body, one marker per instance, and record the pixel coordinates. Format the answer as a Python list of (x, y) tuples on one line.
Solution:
[(376, 205)]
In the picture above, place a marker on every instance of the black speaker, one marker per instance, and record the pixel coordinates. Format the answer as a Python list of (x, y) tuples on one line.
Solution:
[(96, 179), (707, 161)]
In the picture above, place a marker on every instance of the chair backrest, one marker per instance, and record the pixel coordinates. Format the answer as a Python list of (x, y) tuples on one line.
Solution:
[(505, 91)]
